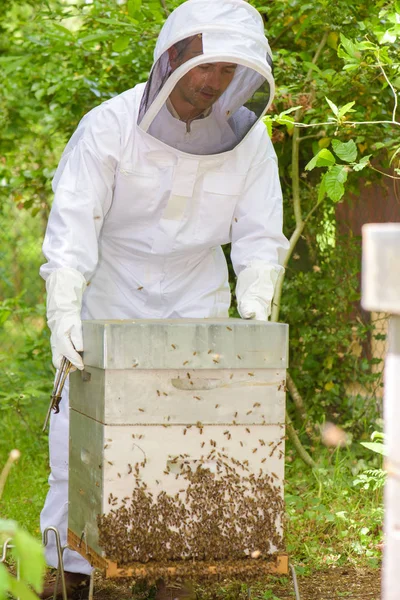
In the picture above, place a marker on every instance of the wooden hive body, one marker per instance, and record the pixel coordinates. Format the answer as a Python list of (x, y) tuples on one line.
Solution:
[(163, 392)]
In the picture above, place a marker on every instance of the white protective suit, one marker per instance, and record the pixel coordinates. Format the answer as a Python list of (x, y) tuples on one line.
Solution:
[(143, 203)]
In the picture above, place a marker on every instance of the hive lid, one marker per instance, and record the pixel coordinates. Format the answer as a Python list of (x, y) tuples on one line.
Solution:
[(185, 343)]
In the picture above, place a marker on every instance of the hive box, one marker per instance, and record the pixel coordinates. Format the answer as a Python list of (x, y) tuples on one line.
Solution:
[(155, 389)]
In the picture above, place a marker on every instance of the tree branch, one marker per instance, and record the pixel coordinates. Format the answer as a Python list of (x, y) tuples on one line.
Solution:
[(165, 8), (300, 224), (390, 85), (298, 446), (296, 397)]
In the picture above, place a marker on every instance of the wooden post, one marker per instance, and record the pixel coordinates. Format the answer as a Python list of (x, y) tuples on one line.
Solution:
[(381, 292)]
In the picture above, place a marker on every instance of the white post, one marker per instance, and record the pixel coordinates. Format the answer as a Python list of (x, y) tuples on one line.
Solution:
[(381, 292)]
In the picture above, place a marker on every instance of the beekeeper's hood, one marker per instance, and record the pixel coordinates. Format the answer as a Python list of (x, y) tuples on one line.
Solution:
[(200, 33)]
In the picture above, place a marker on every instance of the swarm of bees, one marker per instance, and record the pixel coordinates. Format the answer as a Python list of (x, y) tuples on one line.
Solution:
[(226, 515)]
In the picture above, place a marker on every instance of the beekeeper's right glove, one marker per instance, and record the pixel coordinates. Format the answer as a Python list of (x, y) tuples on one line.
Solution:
[(65, 287)]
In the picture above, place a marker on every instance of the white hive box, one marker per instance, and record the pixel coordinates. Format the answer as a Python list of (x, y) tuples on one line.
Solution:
[(153, 391)]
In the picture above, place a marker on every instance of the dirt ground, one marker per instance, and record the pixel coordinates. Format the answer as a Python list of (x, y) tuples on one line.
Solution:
[(330, 584)]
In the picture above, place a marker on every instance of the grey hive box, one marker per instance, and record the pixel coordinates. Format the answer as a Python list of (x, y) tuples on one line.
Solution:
[(144, 383)]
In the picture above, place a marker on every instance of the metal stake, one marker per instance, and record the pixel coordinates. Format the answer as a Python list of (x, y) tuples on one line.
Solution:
[(9, 546), (60, 568), (295, 584), (91, 585)]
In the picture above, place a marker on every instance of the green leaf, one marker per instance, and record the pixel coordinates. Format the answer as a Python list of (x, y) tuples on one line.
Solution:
[(286, 120), (268, 123), (121, 43), (4, 583), (345, 109), (31, 556), (334, 180), (346, 151), (376, 447), (94, 37), (64, 30), (19, 589), (389, 37), (362, 163), (334, 108), (290, 110), (349, 46), (133, 7), (324, 158)]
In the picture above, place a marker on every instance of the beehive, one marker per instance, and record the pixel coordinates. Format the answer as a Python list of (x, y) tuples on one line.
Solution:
[(160, 399)]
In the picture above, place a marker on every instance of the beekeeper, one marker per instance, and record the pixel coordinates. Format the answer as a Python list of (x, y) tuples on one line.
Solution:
[(150, 185)]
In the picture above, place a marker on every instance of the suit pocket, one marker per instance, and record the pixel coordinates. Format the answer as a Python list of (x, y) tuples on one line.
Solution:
[(219, 196), (136, 196)]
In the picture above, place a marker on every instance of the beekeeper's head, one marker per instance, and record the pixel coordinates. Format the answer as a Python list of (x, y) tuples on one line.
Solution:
[(211, 56), (203, 85)]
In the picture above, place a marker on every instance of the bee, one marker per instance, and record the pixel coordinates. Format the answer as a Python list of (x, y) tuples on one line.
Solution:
[(185, 363), (173, 346)]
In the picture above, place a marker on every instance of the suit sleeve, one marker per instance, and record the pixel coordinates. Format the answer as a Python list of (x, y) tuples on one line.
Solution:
[(257, 235), (83, 187)]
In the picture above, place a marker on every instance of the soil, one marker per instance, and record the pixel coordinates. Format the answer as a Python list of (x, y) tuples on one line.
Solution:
[(330, 584)]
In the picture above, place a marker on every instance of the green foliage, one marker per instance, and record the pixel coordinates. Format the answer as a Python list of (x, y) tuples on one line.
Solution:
[(330, 520), (26, 550), (328, 332)]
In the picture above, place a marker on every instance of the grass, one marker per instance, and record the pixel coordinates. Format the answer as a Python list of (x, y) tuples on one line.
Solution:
[(330, 520)]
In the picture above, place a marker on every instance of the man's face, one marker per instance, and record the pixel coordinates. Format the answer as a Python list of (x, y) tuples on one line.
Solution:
[(203, 85)]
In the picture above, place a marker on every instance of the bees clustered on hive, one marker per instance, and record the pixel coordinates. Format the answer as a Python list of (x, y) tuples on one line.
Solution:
[(223, 514)]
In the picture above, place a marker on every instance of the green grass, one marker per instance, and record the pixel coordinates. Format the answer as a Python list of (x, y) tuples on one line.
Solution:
[(25, 385), (330, 518)]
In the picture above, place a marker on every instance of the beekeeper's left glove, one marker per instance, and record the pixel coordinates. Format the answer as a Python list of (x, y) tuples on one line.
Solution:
[(255, 290), (65, 287)]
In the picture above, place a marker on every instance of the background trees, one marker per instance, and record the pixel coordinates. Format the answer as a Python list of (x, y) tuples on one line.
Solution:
[(61, 58)]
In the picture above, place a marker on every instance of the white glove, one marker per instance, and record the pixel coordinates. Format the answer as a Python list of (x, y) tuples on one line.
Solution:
[(65, 289), (255, 290)]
